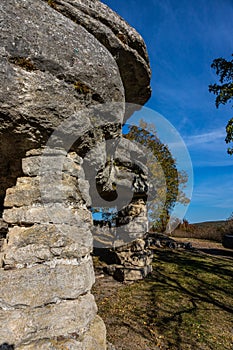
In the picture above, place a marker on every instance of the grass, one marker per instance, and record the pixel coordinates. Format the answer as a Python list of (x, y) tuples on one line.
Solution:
[(186, 303)]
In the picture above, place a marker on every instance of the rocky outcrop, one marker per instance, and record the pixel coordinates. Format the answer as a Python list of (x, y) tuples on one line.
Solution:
[(59, 61), (62, 59), (124, 43), (44, 81)]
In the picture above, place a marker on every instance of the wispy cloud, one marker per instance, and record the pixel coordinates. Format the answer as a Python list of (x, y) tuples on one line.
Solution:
[(212, 196), (208, 149), (214, 193), (212, 163), (205, 138)]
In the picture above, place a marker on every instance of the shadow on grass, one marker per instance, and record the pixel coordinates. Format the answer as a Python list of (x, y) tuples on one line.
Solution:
[(185, 304), (187, 290), (218, 252)]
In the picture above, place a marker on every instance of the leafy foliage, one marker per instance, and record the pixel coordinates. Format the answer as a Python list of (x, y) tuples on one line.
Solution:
[(170, 192), (224, 91)]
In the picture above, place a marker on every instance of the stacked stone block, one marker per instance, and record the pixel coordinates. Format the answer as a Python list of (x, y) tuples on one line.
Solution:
[(134, 261), (46, 269), (125, 247), (121, 241)]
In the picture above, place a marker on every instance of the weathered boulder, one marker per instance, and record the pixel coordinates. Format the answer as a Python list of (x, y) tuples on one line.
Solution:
[(59, 280), (123, 181), (39, 243)]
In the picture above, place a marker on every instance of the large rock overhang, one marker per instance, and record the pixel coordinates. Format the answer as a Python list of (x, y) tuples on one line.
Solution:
[(123, 42), (51, 51)]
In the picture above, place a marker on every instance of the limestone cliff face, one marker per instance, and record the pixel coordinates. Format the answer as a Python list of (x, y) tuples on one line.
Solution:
[(56, 59)]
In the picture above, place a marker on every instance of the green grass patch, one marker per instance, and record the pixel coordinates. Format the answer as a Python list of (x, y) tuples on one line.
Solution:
[(186, 303)]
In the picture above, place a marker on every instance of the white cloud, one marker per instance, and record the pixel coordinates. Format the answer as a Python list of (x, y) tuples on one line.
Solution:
[(206, 138), (215, 193), (209, 149)]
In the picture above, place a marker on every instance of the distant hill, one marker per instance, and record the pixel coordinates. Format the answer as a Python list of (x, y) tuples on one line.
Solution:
[(210, 223), (211, 230)]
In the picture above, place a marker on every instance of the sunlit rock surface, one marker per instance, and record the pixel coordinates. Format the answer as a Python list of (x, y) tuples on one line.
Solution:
[(57, 58)]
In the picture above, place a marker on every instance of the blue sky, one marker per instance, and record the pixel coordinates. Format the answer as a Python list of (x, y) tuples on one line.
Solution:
[(183, 37)]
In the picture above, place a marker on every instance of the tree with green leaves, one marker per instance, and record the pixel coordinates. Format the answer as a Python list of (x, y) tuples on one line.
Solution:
[(224, 91), (170, 182)]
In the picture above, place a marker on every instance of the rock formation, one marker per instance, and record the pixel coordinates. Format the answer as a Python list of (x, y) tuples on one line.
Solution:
[(57, 58), (47, 271)]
